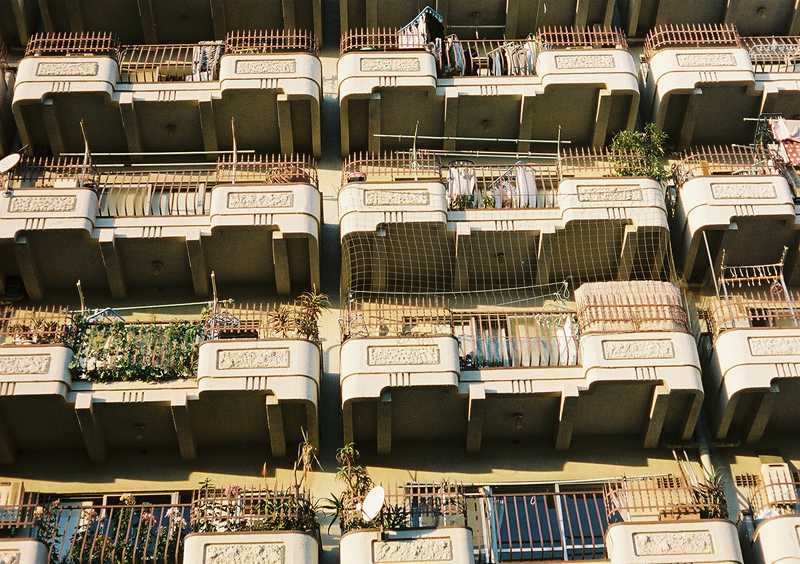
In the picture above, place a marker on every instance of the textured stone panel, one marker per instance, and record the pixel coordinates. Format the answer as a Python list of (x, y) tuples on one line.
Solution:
[(585, 62), (10, 556), (266, 66), (21, 204), (247, 359), (412, 550), (25, 364), (742, 190), (371, 64), (252, 200), (599, 193), (67, 69), (673, 544), (706, 60), (261, 553), (396, 198), (774, 346), (402, 355), (630, 350)]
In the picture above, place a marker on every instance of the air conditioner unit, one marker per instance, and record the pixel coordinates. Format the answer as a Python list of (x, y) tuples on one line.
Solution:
[(778, 484)]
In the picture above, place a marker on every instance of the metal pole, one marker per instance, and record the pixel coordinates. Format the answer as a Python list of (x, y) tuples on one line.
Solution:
[(158, 153), (450, 138)]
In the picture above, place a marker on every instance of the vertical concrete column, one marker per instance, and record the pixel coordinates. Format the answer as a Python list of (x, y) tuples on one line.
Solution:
[(113, 264), (75, 15), (462, 259), (601, 118), (218, 17), (687, 129), (374, 143), (658, 413), (8, 452), (285, 124), (208, 126), (147, 14), (280, 261), (52, 126), (512, 18), (566, 419), (385, 423), (526, 121), (757, 423), (347, 423), (92, 435), (630, 241), (183, 427), (581, 13), (28, 268), (475, 417), (130, 124), (277, 437), (632, 25), (312, 420), (197, 264), (288, 14), (371, 14), (450, 119)]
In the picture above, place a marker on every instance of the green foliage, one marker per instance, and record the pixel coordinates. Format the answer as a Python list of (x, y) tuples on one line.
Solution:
[(710, 496), (641, 153), (120, 352)]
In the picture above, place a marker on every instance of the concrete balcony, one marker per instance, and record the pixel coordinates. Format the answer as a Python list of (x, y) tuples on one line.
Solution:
[(750, 380), (640, 16), (165, 394), (510, 19), (7, 126), (773, 508), (179, 98), (114, 229), (291, 547), (480, 102), (433, 527), (664, 519), (702, 82), (416, 224), (137, 22), (521, 372), (737, 201)]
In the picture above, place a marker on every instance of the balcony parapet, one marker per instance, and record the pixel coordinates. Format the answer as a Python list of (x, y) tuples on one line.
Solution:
[(752, 373), (85, 375), (283, 66), (624, 333), (63, 206), (743, 77), (593, 67), (738, 194)]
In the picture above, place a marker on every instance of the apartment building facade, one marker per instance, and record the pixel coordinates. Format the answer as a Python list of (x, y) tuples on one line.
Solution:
[(397, 295)]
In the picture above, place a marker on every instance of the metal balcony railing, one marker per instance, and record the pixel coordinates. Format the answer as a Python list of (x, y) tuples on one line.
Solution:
[(407, 319), (162, 192), (662, 498), (199, 62), (773, 54), (3, 59), (559, 37), (235, 509), (779, 497), (538, 527), (613, 307), (601, 163), (267, 169), (82, 534), (271, 41), (107, 347), (410, 506), (691, 36), (723, 160), (515, 186), (65, 44), (516, 339), (753, 308)]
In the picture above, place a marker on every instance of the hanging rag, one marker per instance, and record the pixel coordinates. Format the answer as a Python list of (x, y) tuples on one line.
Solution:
[(206, 56)]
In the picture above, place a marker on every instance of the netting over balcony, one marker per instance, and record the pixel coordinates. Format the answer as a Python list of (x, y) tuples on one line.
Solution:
[(497, 232)]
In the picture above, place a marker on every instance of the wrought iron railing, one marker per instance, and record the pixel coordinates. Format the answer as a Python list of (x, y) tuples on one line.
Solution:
[(776, 498), (267, 169), (400, 318), (62, 44), (271, 41), (126, 532), (516, 339), (723, 160), (602, 163), (171, 63), (234, 509), (676, 36), (618, 307), (663, 497), (53, 172), (561, 37), (165, 192), (773, 54), (753, 308), (409, 506)]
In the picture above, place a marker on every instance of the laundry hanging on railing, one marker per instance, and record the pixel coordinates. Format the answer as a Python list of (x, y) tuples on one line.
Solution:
[(512, 59), (423, 30), (206, 57), (787, 133)]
